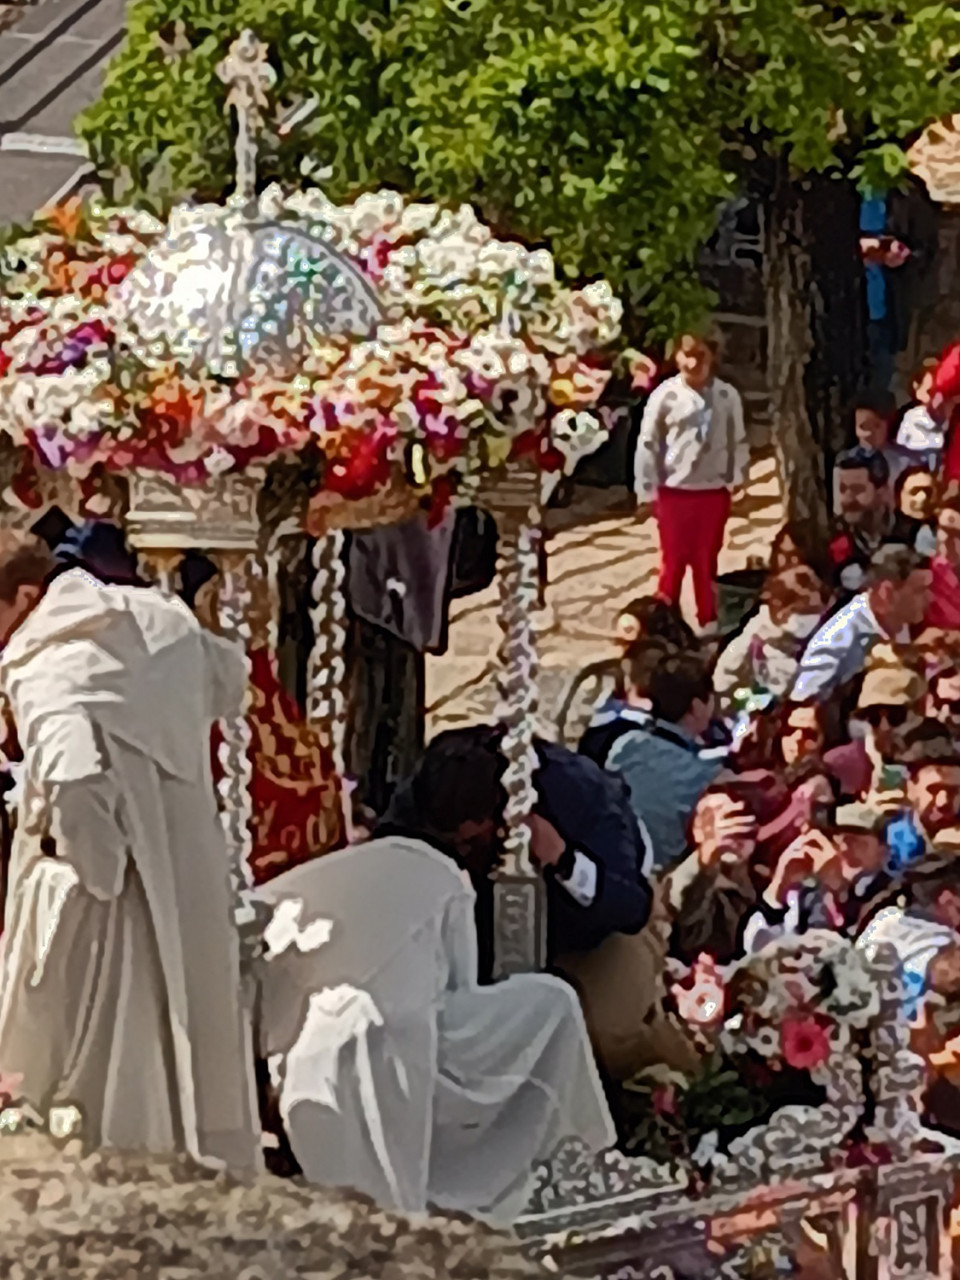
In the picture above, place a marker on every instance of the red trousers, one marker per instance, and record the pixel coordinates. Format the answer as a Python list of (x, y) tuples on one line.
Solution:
[(691, 523)]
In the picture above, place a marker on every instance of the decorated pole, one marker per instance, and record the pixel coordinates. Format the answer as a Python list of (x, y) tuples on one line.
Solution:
[(326, 675), (235, 603), (519, 903)]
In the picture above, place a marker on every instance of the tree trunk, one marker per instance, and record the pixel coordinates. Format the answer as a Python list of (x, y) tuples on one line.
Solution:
[(788, 294)]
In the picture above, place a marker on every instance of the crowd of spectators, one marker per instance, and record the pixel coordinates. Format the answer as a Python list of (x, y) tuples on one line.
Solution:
[(804, 773)]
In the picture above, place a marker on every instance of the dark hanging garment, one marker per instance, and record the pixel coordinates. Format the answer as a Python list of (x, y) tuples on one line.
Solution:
[(386, 714), (474, 560)]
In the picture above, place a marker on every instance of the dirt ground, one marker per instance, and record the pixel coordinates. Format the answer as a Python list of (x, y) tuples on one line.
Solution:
[(599, 556)]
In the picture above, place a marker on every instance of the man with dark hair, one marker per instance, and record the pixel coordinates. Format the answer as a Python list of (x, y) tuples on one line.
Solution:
[(896, 598), (873, 417), (138, 1023), (455, 799), (933, 783), (585, 838), (865, 517), (663, 765), (99, 547), (26, 566), (594, 859), (402, 1077)]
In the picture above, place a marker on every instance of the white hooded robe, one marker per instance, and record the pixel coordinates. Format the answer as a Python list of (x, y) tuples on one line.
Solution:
[(120, 983), (399, 1076)]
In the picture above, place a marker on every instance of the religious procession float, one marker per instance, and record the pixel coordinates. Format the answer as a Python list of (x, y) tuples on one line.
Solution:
[(255, 379)]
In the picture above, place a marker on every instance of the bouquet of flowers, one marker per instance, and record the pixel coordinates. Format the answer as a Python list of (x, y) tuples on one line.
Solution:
[(786, 1024), (800, 1000)]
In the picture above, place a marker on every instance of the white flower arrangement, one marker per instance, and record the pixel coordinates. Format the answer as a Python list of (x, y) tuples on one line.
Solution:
[(217, 337)]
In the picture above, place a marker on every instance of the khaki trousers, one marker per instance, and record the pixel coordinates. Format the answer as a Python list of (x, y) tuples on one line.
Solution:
[(621, 988)]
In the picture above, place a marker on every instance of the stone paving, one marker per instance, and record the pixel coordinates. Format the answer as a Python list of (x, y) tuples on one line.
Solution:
[(600, 556)]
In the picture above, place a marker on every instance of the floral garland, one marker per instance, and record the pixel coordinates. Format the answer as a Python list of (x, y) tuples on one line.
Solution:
[(798, 1006), (481, 357)]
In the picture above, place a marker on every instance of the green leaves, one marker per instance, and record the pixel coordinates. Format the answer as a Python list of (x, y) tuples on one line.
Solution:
[(609, 128)]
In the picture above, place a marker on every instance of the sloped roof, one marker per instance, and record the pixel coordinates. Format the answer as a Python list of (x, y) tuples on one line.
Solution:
[(52, 58)]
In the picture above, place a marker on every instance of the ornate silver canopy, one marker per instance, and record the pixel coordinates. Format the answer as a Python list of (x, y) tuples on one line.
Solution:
[(233, 290), (230, 290)]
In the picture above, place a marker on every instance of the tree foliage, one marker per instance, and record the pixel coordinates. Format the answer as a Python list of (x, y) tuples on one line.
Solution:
[(610, 129)]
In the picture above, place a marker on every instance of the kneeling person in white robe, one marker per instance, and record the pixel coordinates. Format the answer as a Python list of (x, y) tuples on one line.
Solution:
[(398, 1076), (120, 981)]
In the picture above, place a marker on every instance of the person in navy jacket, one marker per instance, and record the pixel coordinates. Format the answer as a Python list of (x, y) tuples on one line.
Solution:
[(589, 845)]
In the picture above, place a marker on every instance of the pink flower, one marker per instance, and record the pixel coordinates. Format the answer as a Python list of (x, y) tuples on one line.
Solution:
[(804, 1042), (664, 1099), (9, 1087), (841, 548), (703, 1001), (376, 256)]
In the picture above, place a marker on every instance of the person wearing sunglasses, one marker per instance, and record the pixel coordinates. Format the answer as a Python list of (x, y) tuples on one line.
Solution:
[(890, 707)]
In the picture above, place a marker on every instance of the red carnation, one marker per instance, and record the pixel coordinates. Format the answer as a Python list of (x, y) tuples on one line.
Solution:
[(425, 399), (361, 474), (551, 459), (804, 1042), (526, 445), (841, 548), (664, 1099), (9, 1087), (535, 446), (119, 270)]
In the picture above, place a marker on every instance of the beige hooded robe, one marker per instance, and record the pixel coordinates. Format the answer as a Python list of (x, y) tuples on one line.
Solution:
[(120, 984)]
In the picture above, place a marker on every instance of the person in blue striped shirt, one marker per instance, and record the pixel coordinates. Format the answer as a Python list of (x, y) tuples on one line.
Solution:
[(664, 764)]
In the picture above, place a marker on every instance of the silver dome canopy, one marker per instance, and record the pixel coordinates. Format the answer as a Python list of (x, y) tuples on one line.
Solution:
[(233, 290), (237, 289)]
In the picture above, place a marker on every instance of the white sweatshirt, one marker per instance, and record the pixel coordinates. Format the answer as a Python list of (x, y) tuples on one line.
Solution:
[(691, 439)]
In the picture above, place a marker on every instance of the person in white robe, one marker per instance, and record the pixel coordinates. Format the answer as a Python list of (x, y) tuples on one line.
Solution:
[(120, 990), (397, 1074)]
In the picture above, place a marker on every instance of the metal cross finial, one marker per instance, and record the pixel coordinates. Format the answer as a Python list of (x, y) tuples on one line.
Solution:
[(249, 75)]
